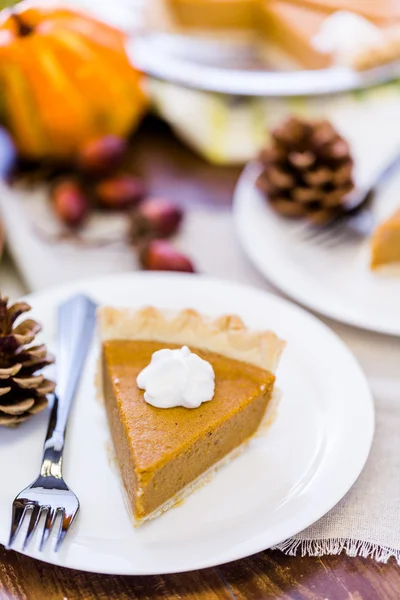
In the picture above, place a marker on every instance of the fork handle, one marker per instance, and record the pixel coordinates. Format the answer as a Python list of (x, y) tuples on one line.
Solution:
[(76, 322)]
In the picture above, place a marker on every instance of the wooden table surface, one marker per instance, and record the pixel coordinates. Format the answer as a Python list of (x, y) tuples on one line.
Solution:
[(173, 171)]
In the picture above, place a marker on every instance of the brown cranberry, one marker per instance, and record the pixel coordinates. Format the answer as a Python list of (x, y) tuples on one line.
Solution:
[(102, 155), (70, 203), (155, 218), (120, 192), (159, 255)]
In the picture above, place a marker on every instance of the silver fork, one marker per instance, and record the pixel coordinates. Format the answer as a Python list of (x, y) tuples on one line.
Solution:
[(49, 494), (357, 221)]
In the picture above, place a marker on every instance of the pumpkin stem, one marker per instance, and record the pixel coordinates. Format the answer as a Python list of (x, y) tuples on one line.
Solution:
[(22, 28)]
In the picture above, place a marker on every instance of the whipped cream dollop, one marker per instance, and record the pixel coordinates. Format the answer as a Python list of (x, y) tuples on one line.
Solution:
[(177, 378), (345, 35)]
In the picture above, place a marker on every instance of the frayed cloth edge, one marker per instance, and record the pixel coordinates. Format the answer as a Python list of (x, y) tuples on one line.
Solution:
[(335, 546)]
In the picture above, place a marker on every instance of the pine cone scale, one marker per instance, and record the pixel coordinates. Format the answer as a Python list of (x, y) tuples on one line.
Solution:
[(10, 371), (34, 352), (13, 343), (17, 409), (265, 186), (339, 150), (11, 421), (288, 208), (302, 160), (318, 178), (27, 328), (46, 387), (305, 195), (36, 358), (31, 368), (343, 174), (26, 331), (28, 383), (4, 323), (16, 311), (279, 179), (39, 405), (333, 198)]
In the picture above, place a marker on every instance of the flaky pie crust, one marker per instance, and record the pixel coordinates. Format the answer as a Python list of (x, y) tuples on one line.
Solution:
[(226, 335)]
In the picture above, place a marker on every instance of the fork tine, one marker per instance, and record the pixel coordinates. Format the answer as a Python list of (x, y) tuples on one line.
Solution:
[(35, 515), (48, 526), (66, 521), (62, 530), (320, 233), (19, 510)]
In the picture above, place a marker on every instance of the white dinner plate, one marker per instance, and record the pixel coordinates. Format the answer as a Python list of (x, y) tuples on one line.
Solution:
[(282, 483), (213, 65), (334, 280)]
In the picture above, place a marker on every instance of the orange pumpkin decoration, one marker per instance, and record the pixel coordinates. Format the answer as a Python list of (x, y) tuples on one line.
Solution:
[(65, 79)]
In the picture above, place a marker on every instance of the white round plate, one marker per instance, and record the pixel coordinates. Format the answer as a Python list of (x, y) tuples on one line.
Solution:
[(213, 65), (284, 481), (332, 280)]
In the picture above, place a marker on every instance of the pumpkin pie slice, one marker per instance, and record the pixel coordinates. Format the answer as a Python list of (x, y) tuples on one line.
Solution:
[(290, 28), (380, 11), (385, 243), (213, 14), (293, 27), (297, 27), (165, 453)]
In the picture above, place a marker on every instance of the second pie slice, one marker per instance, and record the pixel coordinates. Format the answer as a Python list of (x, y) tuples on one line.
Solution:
[(385, 243), (165, 453)]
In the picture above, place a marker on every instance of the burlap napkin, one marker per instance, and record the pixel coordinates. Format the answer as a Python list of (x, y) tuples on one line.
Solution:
[(366, 522)]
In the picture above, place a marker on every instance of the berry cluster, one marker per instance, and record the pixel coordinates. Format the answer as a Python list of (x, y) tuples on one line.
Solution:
[(99, 181)]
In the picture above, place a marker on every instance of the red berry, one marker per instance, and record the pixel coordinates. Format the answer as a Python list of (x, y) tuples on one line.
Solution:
[(120, 191), (155, 217), (102, 155), (70, 203), (159, 255)]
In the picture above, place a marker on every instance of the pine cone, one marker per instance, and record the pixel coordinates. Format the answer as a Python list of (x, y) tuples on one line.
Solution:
[(307, 170), (22, 390)]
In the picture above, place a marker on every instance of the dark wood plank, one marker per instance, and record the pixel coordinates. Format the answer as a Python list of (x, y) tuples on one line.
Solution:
[(171, 169), (273, 575), (25, 578), (266, 576)]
